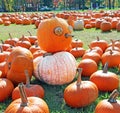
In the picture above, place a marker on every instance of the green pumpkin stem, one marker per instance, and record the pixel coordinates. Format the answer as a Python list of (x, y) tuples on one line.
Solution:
[(98, 39), (105, 69), (113, 96), (27, 78), (23, 96), (79, 70), (10, 36)]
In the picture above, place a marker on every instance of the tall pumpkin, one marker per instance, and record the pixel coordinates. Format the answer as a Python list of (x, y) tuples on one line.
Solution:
[(19, 60), (54, 34), (56, 69)]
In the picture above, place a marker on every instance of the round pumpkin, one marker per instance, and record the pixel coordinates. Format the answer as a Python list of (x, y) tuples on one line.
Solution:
[(6, 88), (54, 34), (110, 105), (105, 80), (27, 104), (80, 93), (56, 69)]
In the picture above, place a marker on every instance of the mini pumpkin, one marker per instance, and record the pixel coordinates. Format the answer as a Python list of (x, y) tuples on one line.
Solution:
[(54, 34)]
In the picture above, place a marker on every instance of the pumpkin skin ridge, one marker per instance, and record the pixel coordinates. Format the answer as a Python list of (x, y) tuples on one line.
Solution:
[(57, 41)]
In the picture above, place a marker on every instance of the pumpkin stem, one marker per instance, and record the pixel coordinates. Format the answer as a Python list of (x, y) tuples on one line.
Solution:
[(113, 96), (10, 36), (79, 70), (27, 78), (98, 39), (113, 44), (68, 35), (2, 41), (22, 95), (47, 54), (29, 33), (1, 49), (105, 68)]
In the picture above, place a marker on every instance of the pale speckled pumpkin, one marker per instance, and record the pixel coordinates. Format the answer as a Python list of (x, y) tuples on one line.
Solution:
[(56, 69)]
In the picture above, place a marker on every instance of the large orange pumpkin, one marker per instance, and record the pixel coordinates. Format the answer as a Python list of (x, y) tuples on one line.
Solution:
[(80, 93), (56, 69), (54, 34)]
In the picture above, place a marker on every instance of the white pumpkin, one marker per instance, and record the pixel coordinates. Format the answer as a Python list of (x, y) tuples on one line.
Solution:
[(57, 69), (79, 24)]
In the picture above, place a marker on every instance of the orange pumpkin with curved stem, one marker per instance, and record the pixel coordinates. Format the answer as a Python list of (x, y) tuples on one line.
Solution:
[(80, 93), (30, 89), (110, 105), (103, 79), (54, 35), (27, 104)]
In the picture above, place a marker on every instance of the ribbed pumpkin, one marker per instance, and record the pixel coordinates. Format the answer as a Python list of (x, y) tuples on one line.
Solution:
[(110, 105), (80, 93), (105, 80), (54, 34), (56, 69), (27, 104), (19, 60)]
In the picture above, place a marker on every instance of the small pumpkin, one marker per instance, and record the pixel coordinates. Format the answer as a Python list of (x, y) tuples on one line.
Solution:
[(110, 105), (27, 104), (88, 66), (105, 80), (54, 34), (80, 93), (30, 89)]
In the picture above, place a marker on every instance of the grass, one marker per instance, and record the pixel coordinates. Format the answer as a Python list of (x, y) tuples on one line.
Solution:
[(54, 94)]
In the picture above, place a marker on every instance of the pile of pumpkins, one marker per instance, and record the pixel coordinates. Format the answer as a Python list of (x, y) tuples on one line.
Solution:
[(56, 65)]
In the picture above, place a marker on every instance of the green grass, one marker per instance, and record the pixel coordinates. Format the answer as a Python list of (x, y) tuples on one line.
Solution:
[(54, 94)]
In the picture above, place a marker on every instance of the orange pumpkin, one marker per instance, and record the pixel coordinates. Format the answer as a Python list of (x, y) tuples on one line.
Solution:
[(110, 105), (54, 35), (80, 93), (19, 60), (30, 89), (6, 88), (103, 79), (60, 69), (27, 104)]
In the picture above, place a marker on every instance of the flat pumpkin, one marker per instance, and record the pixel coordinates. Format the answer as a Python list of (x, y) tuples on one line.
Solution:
[(54, 34)]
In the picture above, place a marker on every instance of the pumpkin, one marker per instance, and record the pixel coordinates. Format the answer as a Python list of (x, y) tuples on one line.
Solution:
[(27, 104), (80, 93), (111, 54), (77, 52), (78, 24), (2, 69), (6, 88), (76, 43), (110, 105), (30, 89), (19, 60), (100, 43), (106, 26), (55, 69), (4, 46), (104, 80), (118, 27), (54, 34), (86, 65)]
